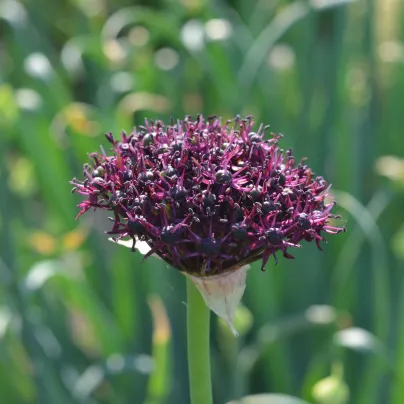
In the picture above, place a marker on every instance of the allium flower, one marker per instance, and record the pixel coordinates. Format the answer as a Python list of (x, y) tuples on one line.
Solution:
[(207, 198)]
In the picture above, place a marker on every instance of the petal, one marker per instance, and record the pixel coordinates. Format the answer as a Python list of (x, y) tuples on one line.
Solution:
[(222, 293)]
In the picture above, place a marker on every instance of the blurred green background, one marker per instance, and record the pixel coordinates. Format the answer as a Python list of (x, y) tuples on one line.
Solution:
[(82, 320)]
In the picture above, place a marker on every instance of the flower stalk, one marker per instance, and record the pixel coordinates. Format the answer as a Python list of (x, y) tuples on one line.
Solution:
[(198, 327)]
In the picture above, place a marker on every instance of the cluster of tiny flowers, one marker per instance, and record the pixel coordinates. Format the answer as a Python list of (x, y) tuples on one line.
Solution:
[(207, 198)]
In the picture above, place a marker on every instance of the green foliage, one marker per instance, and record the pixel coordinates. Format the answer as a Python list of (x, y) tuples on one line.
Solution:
[(77, 321)]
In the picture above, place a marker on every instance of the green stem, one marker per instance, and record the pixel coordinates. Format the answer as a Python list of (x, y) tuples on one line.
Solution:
[(198, 317)]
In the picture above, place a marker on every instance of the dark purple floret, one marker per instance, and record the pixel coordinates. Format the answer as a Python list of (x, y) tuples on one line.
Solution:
[(207, 198)]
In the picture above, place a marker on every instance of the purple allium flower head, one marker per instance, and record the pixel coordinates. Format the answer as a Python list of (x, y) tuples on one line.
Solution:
[(207, 198)]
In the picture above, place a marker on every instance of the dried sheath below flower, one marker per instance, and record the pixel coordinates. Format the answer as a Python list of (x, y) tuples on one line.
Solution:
[(222, 293)]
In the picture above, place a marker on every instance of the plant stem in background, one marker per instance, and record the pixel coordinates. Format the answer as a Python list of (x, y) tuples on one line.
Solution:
[(198, 322)]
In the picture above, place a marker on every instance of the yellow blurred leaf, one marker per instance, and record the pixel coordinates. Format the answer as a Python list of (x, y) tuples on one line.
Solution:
[(74, 239), (76, 116), (114, 51), (42, 242), (391, 167), (22, 177), (159, 382), (8, 106), (162, 331)]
